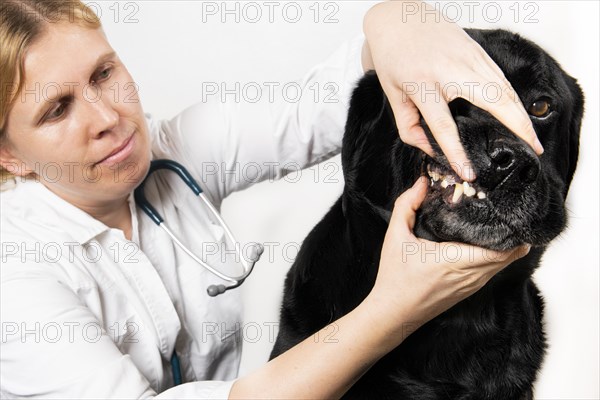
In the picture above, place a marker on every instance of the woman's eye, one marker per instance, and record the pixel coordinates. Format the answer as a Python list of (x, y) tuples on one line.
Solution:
[(105, 73), (540, 108), (57, 112), (102, 75)]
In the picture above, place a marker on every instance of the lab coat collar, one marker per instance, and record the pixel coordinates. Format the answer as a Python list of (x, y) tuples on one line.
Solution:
[(56, 211)]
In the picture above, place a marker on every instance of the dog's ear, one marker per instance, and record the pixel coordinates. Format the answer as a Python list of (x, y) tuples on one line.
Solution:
[(574, 129)]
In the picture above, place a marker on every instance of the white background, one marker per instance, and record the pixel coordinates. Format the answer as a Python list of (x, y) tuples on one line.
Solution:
[(171, 47)]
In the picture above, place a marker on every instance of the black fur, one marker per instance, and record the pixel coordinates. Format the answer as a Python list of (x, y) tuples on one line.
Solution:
[(491, 345)]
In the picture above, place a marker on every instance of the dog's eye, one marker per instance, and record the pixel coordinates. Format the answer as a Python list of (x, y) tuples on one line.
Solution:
[(540, 108)]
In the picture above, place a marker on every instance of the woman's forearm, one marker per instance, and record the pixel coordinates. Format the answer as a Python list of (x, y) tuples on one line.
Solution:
[(328, 363)]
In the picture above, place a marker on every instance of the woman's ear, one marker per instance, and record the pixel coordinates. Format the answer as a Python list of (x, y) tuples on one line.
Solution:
[(11, 163)]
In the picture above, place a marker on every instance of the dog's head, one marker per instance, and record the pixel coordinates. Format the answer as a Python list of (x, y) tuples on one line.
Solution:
[(517, 197)]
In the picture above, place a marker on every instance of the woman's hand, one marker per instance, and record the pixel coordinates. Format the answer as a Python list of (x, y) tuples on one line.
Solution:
[(423, 62), (419, 279)]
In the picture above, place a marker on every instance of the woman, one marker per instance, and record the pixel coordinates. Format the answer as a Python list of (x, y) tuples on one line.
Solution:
[(95, 299)]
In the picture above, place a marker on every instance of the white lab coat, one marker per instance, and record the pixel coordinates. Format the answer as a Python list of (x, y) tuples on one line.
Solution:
[(87, 313)]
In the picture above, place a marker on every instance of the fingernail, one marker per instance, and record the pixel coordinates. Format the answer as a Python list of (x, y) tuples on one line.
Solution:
[(538, 146), (469, 173)]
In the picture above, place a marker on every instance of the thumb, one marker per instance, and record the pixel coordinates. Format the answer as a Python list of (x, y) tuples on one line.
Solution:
[(406, 206)]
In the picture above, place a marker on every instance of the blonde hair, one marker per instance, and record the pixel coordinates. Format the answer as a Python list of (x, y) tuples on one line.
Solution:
[(22, 22)]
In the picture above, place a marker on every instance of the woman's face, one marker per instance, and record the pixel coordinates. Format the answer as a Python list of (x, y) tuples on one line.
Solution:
[(78, 123)]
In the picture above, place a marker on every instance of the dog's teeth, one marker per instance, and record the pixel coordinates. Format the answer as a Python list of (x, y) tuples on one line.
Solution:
[(448, 181), (436, 176), (481, 195), (468, 190), (458, 191)]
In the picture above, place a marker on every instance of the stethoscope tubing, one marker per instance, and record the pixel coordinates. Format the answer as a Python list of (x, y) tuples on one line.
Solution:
[(149, 210)]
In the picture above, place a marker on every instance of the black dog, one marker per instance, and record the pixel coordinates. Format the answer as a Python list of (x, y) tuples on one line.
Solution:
[(491, 345)]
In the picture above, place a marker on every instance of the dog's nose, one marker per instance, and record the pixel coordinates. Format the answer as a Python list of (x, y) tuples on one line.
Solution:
[(513, 164)]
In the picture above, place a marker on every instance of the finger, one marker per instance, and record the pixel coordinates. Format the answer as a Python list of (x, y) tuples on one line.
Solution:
[(493, 268), (498, 97), (518, 252), (406, 206), (474, 257), (444, 130), (408, 122), (419, 139), (509, 110)]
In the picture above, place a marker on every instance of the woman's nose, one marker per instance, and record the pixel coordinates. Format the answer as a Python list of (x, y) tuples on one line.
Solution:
[(104, 115)]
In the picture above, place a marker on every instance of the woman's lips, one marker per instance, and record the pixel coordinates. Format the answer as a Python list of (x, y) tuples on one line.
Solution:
[(119, 154)]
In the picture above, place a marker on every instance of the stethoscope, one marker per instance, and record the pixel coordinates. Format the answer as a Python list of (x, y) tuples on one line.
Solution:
[(212, 290), (144, 204)]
